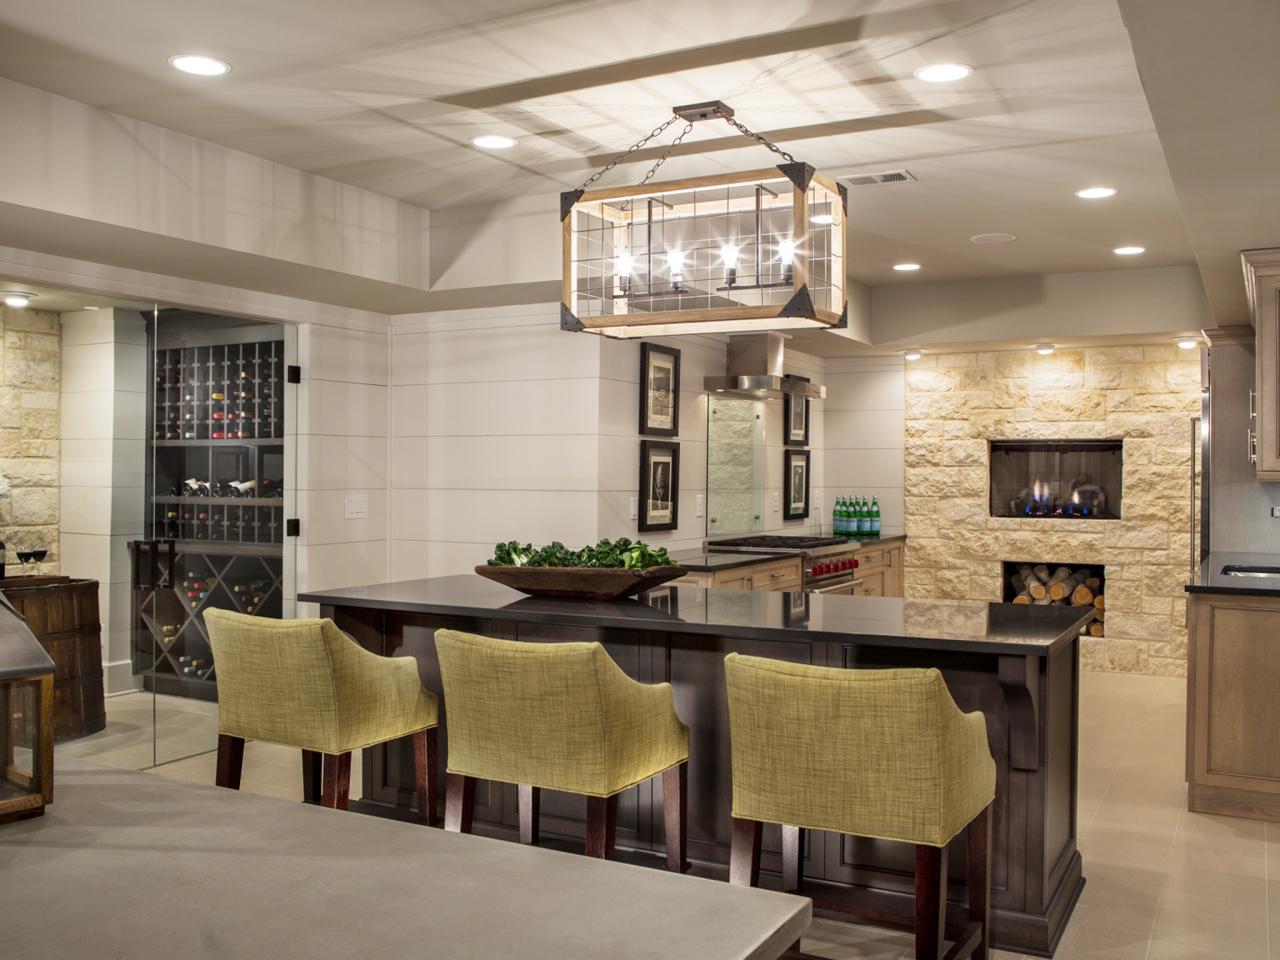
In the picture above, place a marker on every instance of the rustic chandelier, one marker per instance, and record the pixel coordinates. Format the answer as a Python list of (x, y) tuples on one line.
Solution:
[(737, 252)]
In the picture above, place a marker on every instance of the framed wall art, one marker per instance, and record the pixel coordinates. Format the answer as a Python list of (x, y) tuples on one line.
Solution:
[(659, 390), (659, 485), (795, 485)]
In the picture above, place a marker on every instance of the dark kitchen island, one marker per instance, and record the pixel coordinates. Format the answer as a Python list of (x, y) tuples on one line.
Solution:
[(1018, 664)]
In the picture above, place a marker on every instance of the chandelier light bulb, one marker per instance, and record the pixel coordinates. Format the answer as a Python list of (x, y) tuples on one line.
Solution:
[(787, 251), (624, 264), (729, 255), (675, 262)]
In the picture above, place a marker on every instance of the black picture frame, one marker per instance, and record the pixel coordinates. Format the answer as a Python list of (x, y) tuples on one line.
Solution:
[(659, 467), (792, 408), (791, 494), (659, 390)]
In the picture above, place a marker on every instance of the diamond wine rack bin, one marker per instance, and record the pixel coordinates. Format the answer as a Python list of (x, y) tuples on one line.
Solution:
[(739, 252)]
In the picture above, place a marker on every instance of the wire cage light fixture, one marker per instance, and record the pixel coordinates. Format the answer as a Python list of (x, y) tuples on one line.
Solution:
[(736, 252)]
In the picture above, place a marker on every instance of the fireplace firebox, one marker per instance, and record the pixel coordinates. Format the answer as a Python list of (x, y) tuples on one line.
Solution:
[(1077, 479)]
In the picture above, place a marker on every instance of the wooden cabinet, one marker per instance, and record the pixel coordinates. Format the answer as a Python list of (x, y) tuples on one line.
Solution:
[(769, 573), (880, 570), (1233, 713), (1262, 280)]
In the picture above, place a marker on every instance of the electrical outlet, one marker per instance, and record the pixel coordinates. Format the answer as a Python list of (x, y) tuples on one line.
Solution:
[(357, 506), (635, 509), (777, 501), (697, 505)]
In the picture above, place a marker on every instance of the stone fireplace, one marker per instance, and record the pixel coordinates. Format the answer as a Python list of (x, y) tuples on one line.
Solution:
[(959, 405), (1052, 479)]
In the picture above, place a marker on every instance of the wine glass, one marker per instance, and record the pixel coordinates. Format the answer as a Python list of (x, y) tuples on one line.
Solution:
[(24, 557), (39, 555)]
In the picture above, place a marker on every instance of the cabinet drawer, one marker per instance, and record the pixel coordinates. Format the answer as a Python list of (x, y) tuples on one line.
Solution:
[(872, 585), (873, 557), (776, 574), (738, 578)]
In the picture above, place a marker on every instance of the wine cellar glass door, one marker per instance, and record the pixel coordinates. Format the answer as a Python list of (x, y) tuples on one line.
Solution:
[(215, 519)]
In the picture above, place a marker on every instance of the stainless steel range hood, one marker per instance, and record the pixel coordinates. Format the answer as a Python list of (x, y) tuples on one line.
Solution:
[(754, 369)]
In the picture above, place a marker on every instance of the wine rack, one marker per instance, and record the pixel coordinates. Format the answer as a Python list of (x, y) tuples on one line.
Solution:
[(217, 435)]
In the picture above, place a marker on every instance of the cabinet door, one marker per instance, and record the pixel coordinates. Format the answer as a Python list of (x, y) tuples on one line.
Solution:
[(736, 579), (1263, 267), (893, 571)]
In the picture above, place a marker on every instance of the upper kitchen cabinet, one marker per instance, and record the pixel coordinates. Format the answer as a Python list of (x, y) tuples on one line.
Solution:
[(1262, 278)]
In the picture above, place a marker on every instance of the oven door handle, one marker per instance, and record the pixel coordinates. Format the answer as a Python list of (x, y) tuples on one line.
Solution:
[(842, 585)]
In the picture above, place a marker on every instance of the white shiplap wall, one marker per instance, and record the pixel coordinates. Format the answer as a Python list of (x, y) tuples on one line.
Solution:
[(864, 433)]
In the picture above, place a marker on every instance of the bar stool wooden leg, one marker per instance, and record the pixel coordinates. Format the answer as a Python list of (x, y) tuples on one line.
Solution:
[(312, 775), (792, 851), (337, 780), (529, 806), (675, 815), (424, 774), (459, 802), (744, 853), (230, 761), (602, 826), (979, 850), (931, 901)]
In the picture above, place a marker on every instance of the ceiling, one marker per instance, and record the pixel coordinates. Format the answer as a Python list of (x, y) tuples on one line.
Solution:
[(385, 95), (1213, 82), (57, 300)]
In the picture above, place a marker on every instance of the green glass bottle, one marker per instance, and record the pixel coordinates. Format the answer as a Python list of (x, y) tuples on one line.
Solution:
[(875, 518), (840, 519), (859, 519)]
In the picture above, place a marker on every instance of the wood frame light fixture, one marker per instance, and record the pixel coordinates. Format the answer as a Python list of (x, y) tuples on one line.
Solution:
[(736, 252)]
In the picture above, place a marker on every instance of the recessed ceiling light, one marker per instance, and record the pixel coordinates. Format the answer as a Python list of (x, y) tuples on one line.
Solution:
[(90, 307), (1187, 343), (943, 72), (18, 300), (1044, 349), (823, 218), (1096, 193), (198, 65), (906, 267), (1129, 251), (493, 141), (912, 354), (989, 238)]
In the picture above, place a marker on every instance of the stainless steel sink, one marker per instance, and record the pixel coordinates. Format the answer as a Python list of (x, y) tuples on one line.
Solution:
[(1242, 570)]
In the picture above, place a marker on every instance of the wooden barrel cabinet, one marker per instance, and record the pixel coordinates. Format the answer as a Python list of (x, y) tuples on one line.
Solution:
[(62, 612)]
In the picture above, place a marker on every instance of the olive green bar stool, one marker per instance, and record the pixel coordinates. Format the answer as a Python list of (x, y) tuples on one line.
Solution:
[(885, 754), (558, 716), (306, 684)]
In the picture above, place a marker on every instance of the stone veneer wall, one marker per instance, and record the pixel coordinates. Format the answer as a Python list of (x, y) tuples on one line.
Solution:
[(956, 403), (30, 384)]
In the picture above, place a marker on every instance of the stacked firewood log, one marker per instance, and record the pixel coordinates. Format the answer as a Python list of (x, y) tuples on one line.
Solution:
[(1064, 586)]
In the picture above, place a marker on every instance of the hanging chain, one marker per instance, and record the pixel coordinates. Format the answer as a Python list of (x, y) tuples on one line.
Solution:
[(662, 159), (757, 137), (627, 152), (656, 131)]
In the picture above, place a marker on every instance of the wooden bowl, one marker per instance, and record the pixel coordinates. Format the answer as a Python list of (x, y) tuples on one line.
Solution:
[(580, 583)]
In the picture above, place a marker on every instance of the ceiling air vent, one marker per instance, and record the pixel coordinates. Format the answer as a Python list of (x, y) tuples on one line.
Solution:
[(884, 176)]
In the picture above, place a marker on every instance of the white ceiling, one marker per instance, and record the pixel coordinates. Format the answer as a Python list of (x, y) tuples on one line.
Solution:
[(57, 300), (384, 94), (1212, 76)]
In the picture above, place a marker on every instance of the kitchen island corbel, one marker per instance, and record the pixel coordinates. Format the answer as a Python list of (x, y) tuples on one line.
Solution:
[(1018, 664)]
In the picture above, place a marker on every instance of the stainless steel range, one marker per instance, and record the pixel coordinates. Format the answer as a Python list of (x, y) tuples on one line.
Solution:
[(828, 562)]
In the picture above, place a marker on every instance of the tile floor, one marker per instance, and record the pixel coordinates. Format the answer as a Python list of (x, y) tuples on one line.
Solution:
[(1162, 883)]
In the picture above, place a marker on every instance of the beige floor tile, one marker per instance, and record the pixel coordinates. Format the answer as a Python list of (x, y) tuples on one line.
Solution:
[(835, 940), (1207, 910)]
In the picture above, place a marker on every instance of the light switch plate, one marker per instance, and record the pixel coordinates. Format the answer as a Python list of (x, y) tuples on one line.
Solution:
[(635, 508), (357, 506), (697, 505), (1275, 512)]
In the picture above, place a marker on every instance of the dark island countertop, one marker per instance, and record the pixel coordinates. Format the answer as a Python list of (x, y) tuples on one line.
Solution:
[(1210, 578), (959, 625)]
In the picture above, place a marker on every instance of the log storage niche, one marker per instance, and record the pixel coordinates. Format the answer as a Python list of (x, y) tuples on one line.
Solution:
[(1058, 584), (216, 488)]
